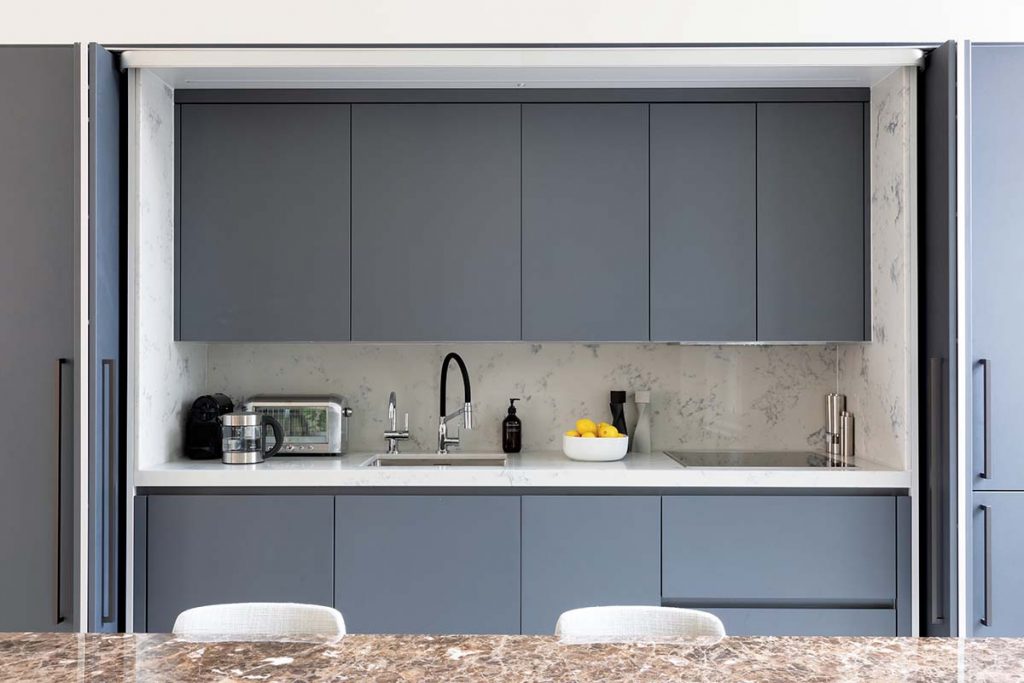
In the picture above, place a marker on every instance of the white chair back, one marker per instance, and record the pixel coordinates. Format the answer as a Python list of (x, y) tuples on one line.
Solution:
[(637, 622), (258, 619)]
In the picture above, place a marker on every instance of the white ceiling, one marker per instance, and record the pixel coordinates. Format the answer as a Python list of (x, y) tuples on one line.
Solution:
[(570, 67)]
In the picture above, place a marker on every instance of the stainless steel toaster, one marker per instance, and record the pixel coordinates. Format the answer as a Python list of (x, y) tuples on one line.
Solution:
[(312, 425)]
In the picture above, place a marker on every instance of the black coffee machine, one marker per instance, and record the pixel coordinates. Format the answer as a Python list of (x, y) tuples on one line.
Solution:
[(202, 430)]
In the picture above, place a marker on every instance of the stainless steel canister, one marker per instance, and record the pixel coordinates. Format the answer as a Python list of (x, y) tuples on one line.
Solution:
[(846, 430)]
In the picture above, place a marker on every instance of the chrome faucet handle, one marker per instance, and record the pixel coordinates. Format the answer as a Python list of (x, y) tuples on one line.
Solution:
[(393, 435)]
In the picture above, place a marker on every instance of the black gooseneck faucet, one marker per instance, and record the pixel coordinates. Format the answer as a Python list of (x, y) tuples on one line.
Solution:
[(443, 440)]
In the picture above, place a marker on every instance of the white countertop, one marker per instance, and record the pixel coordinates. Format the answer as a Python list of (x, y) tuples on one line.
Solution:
[(526, 469)]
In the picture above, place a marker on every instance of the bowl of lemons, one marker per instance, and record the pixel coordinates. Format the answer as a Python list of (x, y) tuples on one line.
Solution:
[(594, 442)]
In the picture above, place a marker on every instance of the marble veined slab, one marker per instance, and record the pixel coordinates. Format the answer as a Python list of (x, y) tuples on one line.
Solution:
[(542, 468), (156, 657)]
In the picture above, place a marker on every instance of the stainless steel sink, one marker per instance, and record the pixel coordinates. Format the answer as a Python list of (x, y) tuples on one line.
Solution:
[(437, 460)]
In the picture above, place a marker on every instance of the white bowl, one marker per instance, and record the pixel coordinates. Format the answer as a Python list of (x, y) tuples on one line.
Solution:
[(595, 449)]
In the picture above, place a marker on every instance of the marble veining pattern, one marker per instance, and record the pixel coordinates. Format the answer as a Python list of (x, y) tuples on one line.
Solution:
[(157, 658), (753, 397), (876, 377), (170, 374), (524, 470)]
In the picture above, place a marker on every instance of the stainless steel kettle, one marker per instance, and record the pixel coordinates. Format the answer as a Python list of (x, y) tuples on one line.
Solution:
[(244, 437)]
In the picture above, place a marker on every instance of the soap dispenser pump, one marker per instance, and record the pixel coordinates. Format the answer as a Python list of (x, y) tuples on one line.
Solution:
[(512, 430)]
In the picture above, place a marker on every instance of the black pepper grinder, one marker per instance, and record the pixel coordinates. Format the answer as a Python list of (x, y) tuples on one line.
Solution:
[(512, 430), (618, 406)]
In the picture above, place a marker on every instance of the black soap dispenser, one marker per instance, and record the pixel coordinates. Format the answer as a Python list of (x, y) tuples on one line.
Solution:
[(512, 430)]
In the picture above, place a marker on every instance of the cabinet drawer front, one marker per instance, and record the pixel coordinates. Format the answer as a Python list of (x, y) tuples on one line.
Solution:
[(807, 622), (779, 548)]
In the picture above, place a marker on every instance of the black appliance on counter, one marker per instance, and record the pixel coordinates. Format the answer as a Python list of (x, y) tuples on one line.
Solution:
[(202, 430)]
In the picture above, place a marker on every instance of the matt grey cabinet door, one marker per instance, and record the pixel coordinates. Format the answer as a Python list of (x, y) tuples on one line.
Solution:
[(428, 564), (106, 236), (779, 548), (209, 549), (996, 254), (997, 598), (263, 222), (703, 222), (39, 120), (581, 551), (585, 222), (807, 622), (811, 223), (435, 222)]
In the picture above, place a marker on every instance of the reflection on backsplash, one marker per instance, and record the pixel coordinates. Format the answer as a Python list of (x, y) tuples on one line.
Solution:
[(749, 397)]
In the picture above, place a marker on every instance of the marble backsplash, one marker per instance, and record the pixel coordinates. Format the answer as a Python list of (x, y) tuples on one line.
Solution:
[(168, 374), (878, 378), (763, 397)]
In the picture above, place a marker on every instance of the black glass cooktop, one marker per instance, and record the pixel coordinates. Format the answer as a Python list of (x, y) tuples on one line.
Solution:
[(756, 459)]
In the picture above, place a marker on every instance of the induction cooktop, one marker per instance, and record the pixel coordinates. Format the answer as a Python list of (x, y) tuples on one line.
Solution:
[(758, 459)]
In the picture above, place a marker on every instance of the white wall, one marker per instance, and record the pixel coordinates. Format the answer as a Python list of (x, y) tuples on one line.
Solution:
[(482, 21)]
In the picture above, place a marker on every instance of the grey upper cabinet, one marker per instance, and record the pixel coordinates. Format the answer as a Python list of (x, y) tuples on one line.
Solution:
[(580, 551), (435, 222), (703, 222), (209, 549), (585, 222), (39, 221), (428, 564), (996, 253), (811, 222), (263, 222)]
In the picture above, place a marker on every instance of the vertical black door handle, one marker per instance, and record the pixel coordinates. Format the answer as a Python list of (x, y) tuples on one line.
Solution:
[(986, 377), (110, 462), (986, 619), (58, 614), (935, 471)]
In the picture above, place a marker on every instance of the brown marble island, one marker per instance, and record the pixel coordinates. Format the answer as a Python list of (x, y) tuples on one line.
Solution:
[(158, 657)]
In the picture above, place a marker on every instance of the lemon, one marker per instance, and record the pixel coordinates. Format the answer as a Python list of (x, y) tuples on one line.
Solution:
[(607, 432), (589, 435), (585, 425), (572, 432)]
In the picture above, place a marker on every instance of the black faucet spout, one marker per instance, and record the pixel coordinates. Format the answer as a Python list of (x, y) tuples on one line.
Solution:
[(444, 381)]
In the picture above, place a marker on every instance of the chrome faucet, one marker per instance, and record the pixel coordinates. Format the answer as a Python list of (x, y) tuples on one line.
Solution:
[(393, 435), (443, 440)]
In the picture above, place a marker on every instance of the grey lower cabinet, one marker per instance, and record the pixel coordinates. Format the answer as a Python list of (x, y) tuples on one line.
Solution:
[(703, 222), (435, 222), (263, 222), (811, 222), (795, 555), (585, 222), (581, 551), (997, 555), (512, 563), (209, 549), (428, 564), (39, 221)]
